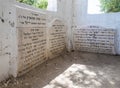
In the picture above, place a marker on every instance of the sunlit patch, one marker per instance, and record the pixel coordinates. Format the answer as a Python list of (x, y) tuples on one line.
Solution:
[(113, 83), (94, 7), (52, 5), (79, 76)]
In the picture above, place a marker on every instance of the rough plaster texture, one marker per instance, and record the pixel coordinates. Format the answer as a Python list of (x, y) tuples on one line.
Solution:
[(107, 20), (8, 42), (10, 34), (72, 12), (32, 39), (36, 40), (72, 70), (95, 39), (56, 38)]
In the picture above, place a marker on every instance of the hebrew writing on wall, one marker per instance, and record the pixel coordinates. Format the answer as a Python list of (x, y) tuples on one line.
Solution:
[(94, 39), (57, 38), (31, 27)]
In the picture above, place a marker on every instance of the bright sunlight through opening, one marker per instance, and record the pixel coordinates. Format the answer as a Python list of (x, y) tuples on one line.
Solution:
[(94, 7)]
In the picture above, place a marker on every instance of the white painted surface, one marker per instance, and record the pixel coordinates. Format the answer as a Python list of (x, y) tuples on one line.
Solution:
[(8, 46), (72, 12), (4, 67), (9, 34), (56, 38), (110, 20), (32, 41), (95, 39)]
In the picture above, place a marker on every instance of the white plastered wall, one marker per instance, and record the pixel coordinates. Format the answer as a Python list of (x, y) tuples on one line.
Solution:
[(72, 12), (107, 20), (8, 32), (8, 39)]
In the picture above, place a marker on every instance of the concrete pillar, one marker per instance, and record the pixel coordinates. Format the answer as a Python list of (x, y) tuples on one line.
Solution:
[(80, 12), (8, 38), (65, 12)]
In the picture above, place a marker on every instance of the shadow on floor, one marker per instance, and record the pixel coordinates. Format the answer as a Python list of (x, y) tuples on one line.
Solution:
[(72, 70)]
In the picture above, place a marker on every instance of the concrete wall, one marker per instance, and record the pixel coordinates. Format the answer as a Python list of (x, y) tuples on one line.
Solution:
[(95, 39), (72, 12), (9, 30), (81, 17), (8, 42)]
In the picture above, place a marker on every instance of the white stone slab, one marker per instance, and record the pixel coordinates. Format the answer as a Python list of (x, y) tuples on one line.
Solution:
[(32, 43), (56, 38), (95, 39)]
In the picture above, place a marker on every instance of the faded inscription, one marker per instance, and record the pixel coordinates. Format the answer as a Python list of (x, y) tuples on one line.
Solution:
[(32, 39), (57, 38), (95, 39)]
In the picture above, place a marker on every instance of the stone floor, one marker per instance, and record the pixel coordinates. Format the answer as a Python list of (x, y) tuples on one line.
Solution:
[(72, 70)]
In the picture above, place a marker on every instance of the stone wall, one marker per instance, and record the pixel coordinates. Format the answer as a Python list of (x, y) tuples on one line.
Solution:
[(8, 43), (36, 40), (106, 20), (30, 36), (95, 39), (32, 39), (24, 41), (57, 38)]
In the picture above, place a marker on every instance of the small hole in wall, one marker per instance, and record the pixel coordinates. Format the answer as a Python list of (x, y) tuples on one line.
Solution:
[(2, 20), (9, 12), (72, 50)]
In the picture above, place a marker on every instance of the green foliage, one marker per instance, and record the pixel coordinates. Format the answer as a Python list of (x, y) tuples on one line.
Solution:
[(42, 4), (36, 3), (110, 5)]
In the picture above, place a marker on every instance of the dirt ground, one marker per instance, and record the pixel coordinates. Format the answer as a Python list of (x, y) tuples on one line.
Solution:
[(72, 70)]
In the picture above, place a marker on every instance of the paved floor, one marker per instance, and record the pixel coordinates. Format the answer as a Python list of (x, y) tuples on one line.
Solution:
[(72, 70)]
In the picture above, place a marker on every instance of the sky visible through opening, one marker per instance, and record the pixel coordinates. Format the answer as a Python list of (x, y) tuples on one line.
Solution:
[(94, 7)]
